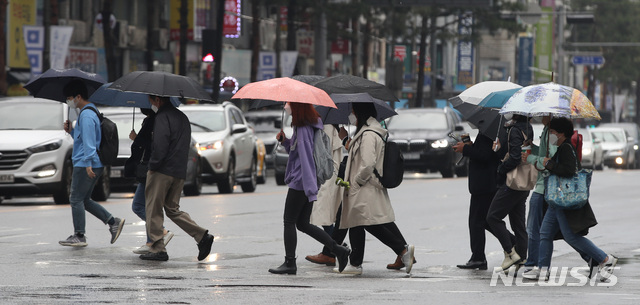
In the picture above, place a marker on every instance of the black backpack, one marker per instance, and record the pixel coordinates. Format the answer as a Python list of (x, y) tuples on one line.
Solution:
[(109, 142), (392, 165)]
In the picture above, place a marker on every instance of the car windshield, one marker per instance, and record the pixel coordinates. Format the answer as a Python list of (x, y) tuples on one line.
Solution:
[(206, 120), (124, 124), (31, 116), (418, 120), (609, 136), (263, 123)]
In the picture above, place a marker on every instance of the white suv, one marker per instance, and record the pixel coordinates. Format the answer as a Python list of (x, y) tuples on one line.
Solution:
[(227, 146)]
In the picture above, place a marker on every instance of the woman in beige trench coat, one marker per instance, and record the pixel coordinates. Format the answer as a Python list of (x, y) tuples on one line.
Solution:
[(366, 204)]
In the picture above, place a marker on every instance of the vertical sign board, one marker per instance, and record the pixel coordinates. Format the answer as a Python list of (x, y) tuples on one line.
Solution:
[(34, 43), (231, 23), (544, 45), (201, 16), (60, 38), (465, 52), (19, 13), (525, 60), (174, 19)]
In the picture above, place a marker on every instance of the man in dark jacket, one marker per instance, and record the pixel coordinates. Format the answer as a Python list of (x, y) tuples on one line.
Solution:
[(165, 179), (483, 163)]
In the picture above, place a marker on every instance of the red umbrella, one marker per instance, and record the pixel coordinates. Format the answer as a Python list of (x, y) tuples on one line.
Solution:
[(285, 89)]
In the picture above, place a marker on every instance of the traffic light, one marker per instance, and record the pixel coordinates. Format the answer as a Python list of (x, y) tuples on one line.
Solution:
[(208, 44)]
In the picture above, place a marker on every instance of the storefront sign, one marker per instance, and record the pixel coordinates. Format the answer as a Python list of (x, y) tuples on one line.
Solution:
[(19, 13)]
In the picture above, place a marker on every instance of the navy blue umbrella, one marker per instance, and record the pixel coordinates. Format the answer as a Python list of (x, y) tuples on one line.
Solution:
[(111, 97), (50, 83)]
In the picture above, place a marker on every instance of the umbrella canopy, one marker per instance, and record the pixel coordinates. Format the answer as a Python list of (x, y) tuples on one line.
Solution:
[(284, 89), (112, 97), (307, 79), (486, 120), (355, 84), (49, 84), (161, 84), (344, 103), (550, 99), (476, 93), (498, 99)]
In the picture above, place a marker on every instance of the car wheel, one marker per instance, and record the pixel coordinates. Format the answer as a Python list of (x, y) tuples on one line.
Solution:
[(102, 190), (61, 196), (280, 178), (225, 186), (195, 187), (448, 170), (249, 187)]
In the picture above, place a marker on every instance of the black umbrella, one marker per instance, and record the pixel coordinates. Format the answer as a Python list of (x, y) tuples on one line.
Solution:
[(344, 103), (50, 83), (161, 84), (355, 84), (307, 79), (488, 121)]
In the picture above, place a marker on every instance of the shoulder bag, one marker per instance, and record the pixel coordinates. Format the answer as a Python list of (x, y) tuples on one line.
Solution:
[(524, 176), (568, 193)]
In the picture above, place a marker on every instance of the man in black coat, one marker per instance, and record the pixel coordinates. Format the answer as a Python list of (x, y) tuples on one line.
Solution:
[(483, 163), (165, 179)]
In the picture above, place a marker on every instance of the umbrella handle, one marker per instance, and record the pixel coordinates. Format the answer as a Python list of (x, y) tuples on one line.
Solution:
[(134, 119)]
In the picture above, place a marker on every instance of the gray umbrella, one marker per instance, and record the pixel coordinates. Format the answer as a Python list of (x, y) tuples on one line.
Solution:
[(50, 83), (161, 84), (355, 84), (344, 103)]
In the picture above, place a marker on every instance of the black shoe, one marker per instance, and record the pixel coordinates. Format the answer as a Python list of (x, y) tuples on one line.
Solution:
[(204, 246), (342, 256), (288, 267), (155, 256), (481, 265)]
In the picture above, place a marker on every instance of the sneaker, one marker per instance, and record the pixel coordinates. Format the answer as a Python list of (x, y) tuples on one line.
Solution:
[(144, 249), (606, 269), (116, 228), (167, 237), (204, 246), (532, 273), (350, 269), (407, 258), (74, 241), (510, 259), (321, 259), (155, 256)]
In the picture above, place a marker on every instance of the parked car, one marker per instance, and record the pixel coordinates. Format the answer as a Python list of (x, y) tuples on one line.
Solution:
[(227, 145), (423, 137), (35, 151), (617, 146), (592, 153), (124, 119), (266, 126), (633, 131)]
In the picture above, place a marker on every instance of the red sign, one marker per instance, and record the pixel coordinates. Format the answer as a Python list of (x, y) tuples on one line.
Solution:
[(284, 12), (340, 46), (231, 24), (399, 52)]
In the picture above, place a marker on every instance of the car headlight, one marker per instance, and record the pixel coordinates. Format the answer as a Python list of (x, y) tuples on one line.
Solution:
[(211, 145), (586, 151), (635, 147), (45, 147), (442, 143)]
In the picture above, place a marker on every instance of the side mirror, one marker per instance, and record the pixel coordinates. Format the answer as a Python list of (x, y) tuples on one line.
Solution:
[(277, 124), (238, 128), (459, 128)]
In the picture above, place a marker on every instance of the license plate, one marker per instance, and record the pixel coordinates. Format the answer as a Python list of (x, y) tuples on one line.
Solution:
[(116, 173), (6, 179), (411, 156)]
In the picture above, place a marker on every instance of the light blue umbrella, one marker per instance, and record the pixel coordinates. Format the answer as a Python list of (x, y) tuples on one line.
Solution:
[(498, 99)]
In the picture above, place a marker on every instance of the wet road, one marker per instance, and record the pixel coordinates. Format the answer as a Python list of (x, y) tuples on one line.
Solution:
[(431, 212)]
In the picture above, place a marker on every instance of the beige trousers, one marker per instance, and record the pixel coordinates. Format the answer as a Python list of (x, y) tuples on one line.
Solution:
[(163, 192)]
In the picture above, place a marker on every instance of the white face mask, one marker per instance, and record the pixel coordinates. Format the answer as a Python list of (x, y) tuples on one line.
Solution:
[(287, 108), (352, 119), (72, 103), (553, 139), (154, 108), (508, 116)]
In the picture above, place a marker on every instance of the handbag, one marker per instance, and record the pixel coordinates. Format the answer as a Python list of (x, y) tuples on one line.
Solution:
[(568, 193), (524, 176)]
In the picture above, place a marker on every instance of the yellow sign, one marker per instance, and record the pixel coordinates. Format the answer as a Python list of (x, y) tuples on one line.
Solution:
[(20, 13), (174, 19)]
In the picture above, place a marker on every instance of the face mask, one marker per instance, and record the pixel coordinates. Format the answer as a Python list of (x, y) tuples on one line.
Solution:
[(72, 103), (508, 116), (553, 139), (287, 108), (352, 119), (154, 108)]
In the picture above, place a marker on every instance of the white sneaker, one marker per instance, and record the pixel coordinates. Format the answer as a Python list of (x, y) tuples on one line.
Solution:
[(532, 273), (144, 249), (606, 269), (407, 257), (167, 237), (350, 269)]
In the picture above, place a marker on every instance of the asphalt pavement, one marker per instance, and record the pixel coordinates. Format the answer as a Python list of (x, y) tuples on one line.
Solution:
[(430, 211)]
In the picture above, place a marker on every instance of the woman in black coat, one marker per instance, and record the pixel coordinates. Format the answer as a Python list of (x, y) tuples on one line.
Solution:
[(573, 224)]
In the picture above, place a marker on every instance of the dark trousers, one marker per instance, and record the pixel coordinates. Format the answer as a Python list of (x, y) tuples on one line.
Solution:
[(337, 234), (478, 209), (383, 232), (297, 211), (508, 202)]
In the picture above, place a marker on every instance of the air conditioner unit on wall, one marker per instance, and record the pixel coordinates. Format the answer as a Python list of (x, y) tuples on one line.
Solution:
[(138, 38), (123, 33), (160, 38)]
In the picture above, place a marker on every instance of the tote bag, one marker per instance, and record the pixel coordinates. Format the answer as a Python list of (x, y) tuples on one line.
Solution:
[(568, 193), (524, 176)]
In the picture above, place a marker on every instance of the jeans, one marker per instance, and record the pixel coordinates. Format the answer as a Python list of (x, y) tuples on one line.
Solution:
[(297, 212), (534, 221), (555, 220), (138, 204), (80, 198), (512, 203)]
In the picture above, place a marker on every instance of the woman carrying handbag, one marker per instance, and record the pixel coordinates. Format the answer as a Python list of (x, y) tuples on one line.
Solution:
[(573, 224)]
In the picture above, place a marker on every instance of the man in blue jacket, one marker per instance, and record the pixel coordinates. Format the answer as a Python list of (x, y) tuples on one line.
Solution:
[(87, 167)]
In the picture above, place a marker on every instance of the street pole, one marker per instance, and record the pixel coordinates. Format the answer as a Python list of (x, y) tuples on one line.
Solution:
[(217, 68), (562, 71), (320, 37)]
